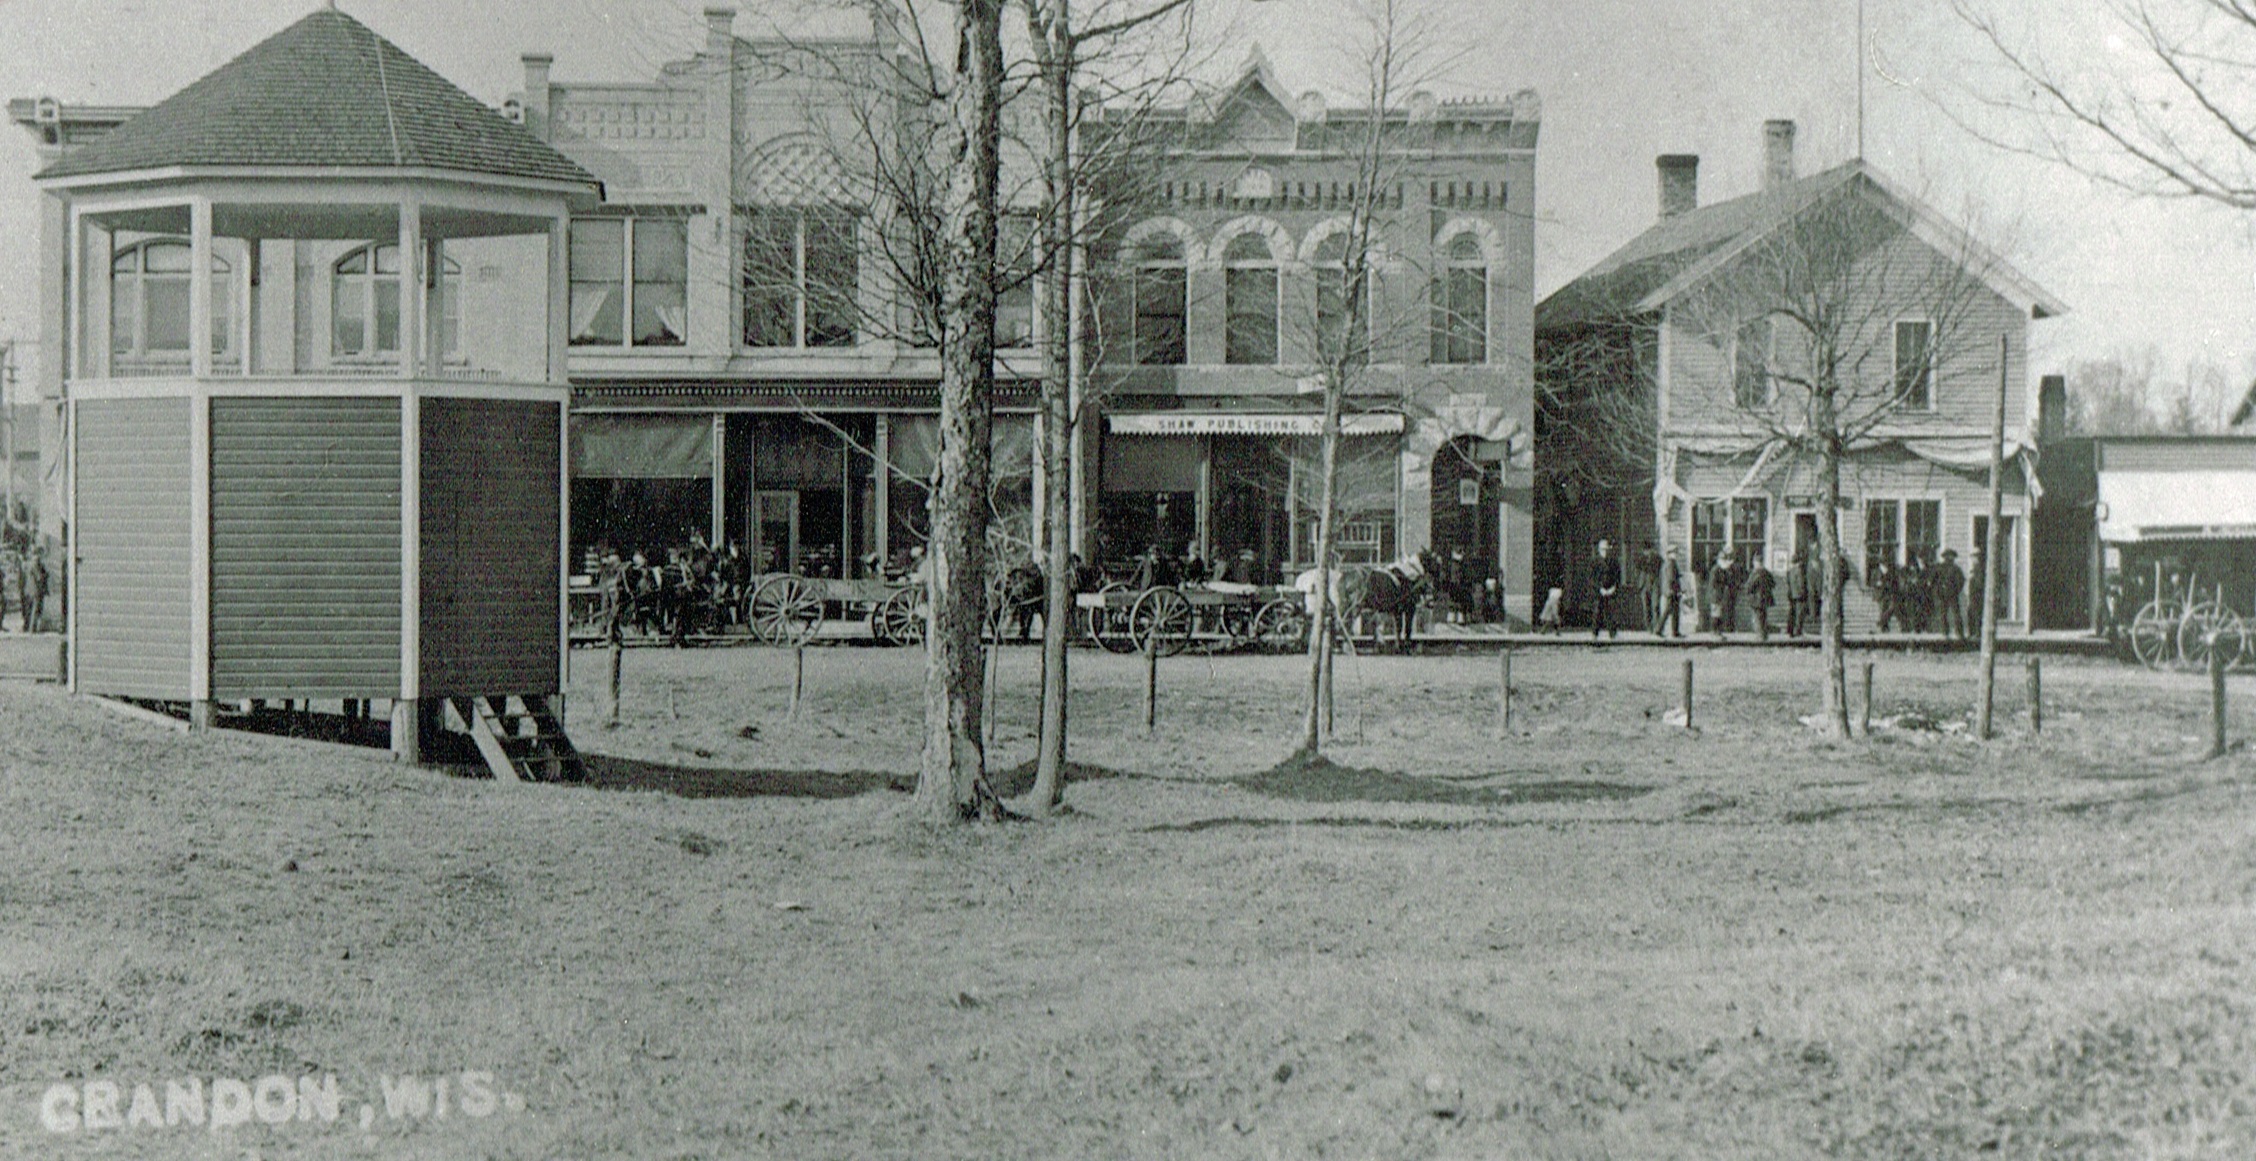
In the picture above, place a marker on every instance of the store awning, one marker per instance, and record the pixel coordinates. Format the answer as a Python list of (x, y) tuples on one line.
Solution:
[(2199, 505), (1243, 423), (641, 447)]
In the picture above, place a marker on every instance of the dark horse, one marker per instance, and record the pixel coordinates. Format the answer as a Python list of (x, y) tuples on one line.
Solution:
[(1387, 592), (1018, 598)]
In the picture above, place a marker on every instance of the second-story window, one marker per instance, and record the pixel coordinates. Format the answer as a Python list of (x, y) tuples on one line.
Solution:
[(1249, 294), (149, 303), (1460, 304), (1750, 363), (1915, 364), (1334, 341), (364, 304), (1161, 292), (630, 282), (799, 273)]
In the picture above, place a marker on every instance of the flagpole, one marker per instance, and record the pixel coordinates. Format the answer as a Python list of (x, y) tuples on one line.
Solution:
[(1860, 50)]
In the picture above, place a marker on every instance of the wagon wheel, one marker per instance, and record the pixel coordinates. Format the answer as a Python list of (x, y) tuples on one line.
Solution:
[(1160, 621), (2154, 634), (1282, 626), (2211, 626), (786, 610), (899, 618), (1108, 625)]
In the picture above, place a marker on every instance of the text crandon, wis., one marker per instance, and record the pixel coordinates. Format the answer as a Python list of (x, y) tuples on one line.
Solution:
[(222, 1102)]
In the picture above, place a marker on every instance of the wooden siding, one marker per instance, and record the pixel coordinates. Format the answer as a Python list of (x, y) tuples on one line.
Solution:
[(1700, 369), (491, 529), (134, 548), (305, 547)]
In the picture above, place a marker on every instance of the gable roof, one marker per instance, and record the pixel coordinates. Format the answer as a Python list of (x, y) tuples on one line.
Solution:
[(1676, 253), (326, 92)]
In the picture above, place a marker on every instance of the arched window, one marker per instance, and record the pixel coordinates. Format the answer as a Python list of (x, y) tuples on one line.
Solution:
[(149, 302), (1249, 296), (1333, 340), (1161, 291), (364, 304), (1460, 304)]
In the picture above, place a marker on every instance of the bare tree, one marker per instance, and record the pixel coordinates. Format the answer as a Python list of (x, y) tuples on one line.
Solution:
[(1806, 317), (1401, 50), (1063, 54), (2129, 394), (2160, 104)]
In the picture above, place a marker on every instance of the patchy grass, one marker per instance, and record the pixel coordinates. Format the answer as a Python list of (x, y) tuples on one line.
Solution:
[(1601, 937)]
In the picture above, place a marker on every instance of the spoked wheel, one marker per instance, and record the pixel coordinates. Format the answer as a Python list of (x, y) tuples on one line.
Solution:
[(1108, 624), (2154, 634), (785, 610), (1282, 626), (899, 618), (2211, 627), (1160, 622)]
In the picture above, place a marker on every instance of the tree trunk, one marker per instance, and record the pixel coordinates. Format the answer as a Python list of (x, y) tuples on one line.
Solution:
[(1830, 626), (1054, 50), (952, 779), (1316, 726)]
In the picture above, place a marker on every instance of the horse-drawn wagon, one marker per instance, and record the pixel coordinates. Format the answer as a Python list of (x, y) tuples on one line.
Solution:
[(1168, 619)]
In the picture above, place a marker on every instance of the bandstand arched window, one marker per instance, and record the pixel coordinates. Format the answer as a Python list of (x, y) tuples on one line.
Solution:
[(149, 304), (364, 304)]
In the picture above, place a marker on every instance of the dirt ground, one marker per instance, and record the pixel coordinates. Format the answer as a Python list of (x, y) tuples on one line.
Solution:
[(1601, 936)]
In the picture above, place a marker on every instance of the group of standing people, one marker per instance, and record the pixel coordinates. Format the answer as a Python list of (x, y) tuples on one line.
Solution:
[(1918, 597), (24, 579), (696, 588)]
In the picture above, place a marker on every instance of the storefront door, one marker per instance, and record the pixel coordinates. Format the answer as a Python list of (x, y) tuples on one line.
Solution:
[(775, 532)]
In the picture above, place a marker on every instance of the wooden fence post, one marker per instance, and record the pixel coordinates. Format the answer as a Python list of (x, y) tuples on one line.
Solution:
[(617, 661), (798, 680), (1151, 690), (2036, 695), (1504, 693), (2216, 699), (1688, 693), (1864, 714)]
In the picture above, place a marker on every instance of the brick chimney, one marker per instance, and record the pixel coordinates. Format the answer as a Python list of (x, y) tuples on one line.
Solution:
[(1680, 182), (2052, 409), (719, 39), (1778, 153), (536, 92)]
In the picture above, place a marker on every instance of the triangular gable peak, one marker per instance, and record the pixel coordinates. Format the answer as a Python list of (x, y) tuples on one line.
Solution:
[(1856, 179), (1254, 112)]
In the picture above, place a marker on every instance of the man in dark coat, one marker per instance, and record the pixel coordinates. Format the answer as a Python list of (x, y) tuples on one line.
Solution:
[(1950, 584), (1669, 591), (1605, 585), (1798, 586), (1888, 594), (1760, 587), (1723, 578)]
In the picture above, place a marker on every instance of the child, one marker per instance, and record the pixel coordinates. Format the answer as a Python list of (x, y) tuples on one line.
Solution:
[(1547, 621)]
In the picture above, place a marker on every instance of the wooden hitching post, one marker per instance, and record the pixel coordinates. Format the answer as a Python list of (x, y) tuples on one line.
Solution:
[(1864, 715), (2216, 699), (1151, 686), (798, 679), (1504, 692), (1688, 693), (2036, 696)]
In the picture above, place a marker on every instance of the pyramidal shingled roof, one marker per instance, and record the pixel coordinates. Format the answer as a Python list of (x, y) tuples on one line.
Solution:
[(324, 92)]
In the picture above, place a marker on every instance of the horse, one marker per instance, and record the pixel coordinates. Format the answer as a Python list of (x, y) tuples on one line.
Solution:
[(1389, 591), (1018, 597)]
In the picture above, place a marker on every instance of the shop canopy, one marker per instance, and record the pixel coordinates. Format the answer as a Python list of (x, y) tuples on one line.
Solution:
[(2191, 505)]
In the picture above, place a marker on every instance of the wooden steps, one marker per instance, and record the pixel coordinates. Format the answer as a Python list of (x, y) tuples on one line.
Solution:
[(519, 736)]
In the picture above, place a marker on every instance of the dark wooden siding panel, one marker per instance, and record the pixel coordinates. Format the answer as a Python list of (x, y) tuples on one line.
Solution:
[(491, 528), (305, 547), (134, 548)]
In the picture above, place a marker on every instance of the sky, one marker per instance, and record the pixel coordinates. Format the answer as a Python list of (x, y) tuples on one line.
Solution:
[(1621, 81)]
